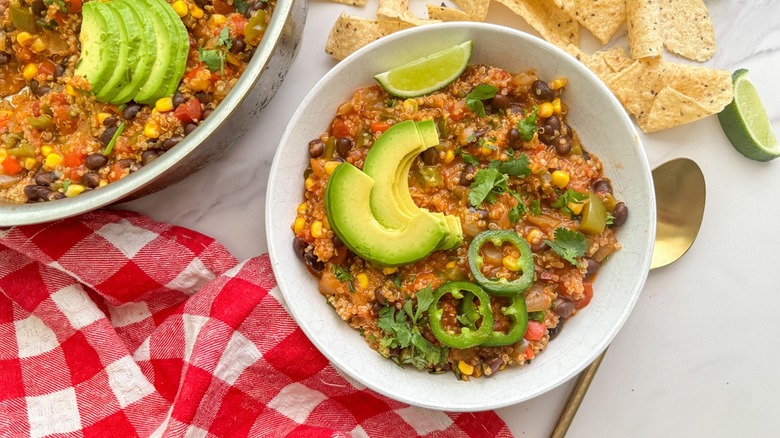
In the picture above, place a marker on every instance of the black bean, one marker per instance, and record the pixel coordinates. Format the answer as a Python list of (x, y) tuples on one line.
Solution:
[(203, 3), (42, 90), (555, 123), (189, 127), (31, 191), (238, 45), (499, 101), (514, 139), (33, 85), (316, 148), (564, 308), (45, 178), (430, 156), (314, 263), (203, 97), (467, 175), (91, 179), (206, 112), (4, 58), (602, 185), (149, 156), (553, 332), (547, 135), (38, 7), (483, 214), (563, 145), (178, 99), (379, 297), (543, 91), (110, 121), (131, 110), (169, 143), (59, 70), (299, 245), (95, 161), (343, 146), (126, 163), (592, 266), (620, 214), (494, 365), (107, 135)]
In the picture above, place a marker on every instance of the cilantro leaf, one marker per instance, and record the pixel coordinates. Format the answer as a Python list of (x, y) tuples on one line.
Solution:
[(568, 244), (519, 210), (487, 184), (223, 40), (478, 94), (527, 126), (343, 276), (424, 301), (536, 208), (214, 59), (469, 159), (404, 332), (519, 167), (570, 196), (241, 6)]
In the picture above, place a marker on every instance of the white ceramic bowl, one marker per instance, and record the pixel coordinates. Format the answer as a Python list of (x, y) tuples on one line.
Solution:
[(605, 130)]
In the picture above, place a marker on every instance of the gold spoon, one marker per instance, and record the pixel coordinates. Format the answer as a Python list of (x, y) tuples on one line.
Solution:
[(679, 196)]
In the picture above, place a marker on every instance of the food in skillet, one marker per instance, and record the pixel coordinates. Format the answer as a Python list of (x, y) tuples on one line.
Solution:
[(93, 91), (459, 229)]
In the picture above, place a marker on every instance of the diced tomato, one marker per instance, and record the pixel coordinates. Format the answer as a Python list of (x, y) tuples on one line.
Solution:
[(239, 23), (73, 159), (11, 166), (458, 111), (588, 295), (46, 68), (4, 120), (535, 331), (340, 129), (529, 352), (189, 111), (220, 7), (194, 72), (74, 6), (60, 18), (380, 126)]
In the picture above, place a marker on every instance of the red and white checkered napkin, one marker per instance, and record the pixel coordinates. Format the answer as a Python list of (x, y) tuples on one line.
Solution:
[(112, 324)]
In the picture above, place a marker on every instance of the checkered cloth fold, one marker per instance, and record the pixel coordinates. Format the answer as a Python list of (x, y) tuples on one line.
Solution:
[(112, 324)]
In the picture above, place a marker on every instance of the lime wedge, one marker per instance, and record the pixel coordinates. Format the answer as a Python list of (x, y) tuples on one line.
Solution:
[(428, 74), (746, 124)]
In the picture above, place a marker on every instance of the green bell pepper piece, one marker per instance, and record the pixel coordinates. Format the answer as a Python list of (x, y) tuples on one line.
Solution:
[(502, 286), (594, 215), (470, 335)]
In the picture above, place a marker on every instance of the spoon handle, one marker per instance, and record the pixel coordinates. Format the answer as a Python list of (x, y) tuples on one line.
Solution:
[(576, 397)]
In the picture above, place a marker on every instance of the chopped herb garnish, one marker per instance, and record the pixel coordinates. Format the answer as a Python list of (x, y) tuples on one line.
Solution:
[(241, 6), (397, 281), (65, 185), (570, 196), (215, 58), (610, 219), (519, 210), (60, 3), (223, 40), (537, 316), (110, 146), (469, 159), (343, 276), (536, 208), (487, 185), (568, 244), (478, 94), (518, 167), (527, 126)]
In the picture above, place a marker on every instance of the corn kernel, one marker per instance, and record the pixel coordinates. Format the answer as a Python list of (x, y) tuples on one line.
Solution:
[(449, 156), (151, 130), (24, 38), (316, 229), (309, 183), (560, 179), (30, 163), (196, 11), (30, 70), (556, 103), (390, 270), (410, 105), (558, 83), (533, 235), (38, 45), (486, 151), (451, 264), (545, 110), (102, 117), (298, 225), (575, 207), (180, 7), (52, 160), (70, 90), (465, 368), (46, 150), (217, 20), (330, 166), (303, 208), (510, 263), (74, 190), (362, 280), (103, 183), (164, 104), (3, 154)]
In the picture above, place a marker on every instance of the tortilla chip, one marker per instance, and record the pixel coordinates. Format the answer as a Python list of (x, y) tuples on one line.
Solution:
[(645, 34), (553, 24), (399, 10), (602, 18), (350, 33), (661, 95), (351, 2), (478, 9), (605, 63), (443, 13), (687, 29)]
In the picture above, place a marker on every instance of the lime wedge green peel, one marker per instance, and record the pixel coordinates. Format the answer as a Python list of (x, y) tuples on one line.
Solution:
[(427, 74), (746, 123)]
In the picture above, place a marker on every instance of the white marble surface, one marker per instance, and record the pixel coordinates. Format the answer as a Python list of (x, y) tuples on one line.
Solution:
[(700, 354)]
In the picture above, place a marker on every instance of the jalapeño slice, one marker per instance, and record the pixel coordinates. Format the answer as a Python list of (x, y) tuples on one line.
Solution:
[(470, 335), (518, 317), (525, 264)]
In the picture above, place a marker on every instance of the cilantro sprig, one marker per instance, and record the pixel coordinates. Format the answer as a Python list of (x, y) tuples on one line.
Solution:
[(215, 58), (527, 126), (478, 94), (489, 183), (570, 196), (568, 244), (343, 276), (402, 330)]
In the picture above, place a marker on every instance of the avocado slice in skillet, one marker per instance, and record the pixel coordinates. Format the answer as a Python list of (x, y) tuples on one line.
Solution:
[(147, 51), (171, 54), (99, 39), (130, 36)]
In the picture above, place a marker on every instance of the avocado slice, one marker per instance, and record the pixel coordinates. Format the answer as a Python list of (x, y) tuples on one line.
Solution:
[(347, 199), (171, 55), (130, 38), (100, 37)]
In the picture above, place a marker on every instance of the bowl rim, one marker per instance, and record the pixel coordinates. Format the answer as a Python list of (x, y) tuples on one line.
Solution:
[(274, 249), (12, 214)]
